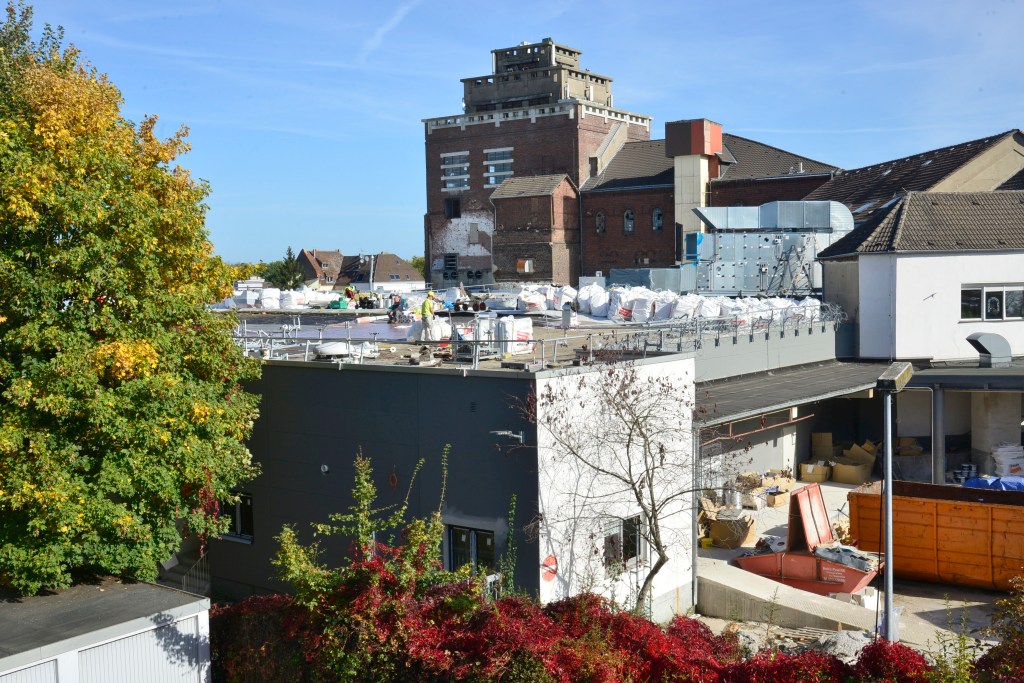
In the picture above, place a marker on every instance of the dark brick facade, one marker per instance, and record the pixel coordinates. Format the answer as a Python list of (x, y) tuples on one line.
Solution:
[(545, 145), (757, 191), (541, 228), (644, 247)]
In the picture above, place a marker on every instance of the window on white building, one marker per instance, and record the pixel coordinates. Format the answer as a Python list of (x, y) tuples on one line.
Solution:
[(992, 302), (624, 543)]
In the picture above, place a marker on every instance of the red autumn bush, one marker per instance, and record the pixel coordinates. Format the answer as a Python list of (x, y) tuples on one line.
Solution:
[(259, 638), (881, 661), (770, 666)]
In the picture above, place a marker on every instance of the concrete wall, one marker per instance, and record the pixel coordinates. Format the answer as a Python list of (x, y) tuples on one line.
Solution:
[(690, 177), (914, 413), (742, 354), (995, 419), (314, 415)]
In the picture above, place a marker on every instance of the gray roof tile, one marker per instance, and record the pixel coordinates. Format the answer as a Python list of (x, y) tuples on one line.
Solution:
[(940, 222), (866, 190), (644, 164), (528, 186)]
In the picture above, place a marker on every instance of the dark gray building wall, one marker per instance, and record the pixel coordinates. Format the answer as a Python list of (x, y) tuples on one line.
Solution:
[(313, 414)]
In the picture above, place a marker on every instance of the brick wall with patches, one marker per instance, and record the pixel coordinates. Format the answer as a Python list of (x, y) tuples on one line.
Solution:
[(541, 230), (539, 143)]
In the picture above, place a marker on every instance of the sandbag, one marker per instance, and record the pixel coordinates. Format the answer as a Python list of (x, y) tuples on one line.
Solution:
[(643, 309), (599, 304)]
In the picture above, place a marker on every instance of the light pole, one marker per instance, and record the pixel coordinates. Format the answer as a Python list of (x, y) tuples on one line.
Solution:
[(891, 382), (372, 258)]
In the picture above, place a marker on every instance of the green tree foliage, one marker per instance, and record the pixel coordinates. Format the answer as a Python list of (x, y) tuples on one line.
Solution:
[(420, 264), (285, 274), (121, 410)]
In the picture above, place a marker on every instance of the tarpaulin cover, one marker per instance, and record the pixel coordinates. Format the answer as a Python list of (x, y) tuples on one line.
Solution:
[(998, 483)]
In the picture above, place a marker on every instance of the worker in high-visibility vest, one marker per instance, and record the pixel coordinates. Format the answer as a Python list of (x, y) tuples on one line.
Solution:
[(427, 309)]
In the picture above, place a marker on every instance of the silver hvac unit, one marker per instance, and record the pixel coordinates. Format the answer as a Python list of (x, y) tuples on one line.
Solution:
[(768, 250)]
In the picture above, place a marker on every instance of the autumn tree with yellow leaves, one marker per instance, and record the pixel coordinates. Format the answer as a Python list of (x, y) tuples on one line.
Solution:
[(121, 411)]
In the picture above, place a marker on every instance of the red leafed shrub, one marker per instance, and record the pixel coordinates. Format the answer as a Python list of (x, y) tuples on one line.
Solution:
[(883, 661), (260, 639), (770, 666), (701, 643), (1004, 663)]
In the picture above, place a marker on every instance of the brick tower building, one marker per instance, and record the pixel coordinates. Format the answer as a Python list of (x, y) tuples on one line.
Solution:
[(538, 126)]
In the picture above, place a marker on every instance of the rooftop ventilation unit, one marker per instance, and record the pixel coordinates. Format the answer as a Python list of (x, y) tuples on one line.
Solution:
[(993, 350)]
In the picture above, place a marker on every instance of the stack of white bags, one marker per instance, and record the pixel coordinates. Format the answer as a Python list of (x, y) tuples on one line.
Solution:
[(642, 305)]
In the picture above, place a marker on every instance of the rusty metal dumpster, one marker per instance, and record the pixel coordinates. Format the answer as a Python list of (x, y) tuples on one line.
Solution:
[(948, 534), (798, 566)]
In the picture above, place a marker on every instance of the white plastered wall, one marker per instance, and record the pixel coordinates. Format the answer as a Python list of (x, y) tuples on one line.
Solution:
[(928, 306), (577, 506), (877, 304), (454, 237)]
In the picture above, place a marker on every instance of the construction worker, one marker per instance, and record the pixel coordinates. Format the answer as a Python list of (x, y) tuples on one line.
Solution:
[(427, 309), (395, 310)]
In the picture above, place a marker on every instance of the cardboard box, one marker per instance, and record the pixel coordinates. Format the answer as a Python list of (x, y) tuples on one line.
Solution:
[(777, 500), (815, 472), (854, 467), (821, 445), (846, 471), (732, 533)]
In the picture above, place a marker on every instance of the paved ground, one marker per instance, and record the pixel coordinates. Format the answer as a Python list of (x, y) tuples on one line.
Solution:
[(928, 611)]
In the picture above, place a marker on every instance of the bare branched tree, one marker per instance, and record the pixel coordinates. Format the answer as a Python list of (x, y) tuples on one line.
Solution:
[(620, 443)]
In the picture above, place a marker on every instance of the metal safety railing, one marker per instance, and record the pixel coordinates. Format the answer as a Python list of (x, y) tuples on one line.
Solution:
[(675, 335), (197, 579)]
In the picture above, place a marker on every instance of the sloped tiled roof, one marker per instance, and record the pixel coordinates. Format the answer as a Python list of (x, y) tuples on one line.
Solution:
[(865, 190), (1015, 182), (323, 263), (758, 160), (644, 164), (637, 164), (939, 222), (528, 186), (357, 269)]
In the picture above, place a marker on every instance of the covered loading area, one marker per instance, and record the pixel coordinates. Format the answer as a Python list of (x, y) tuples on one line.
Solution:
[(764, 421), (962, 414)]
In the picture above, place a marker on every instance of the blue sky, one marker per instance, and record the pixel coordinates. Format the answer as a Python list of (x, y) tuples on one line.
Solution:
[(305, 117)]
